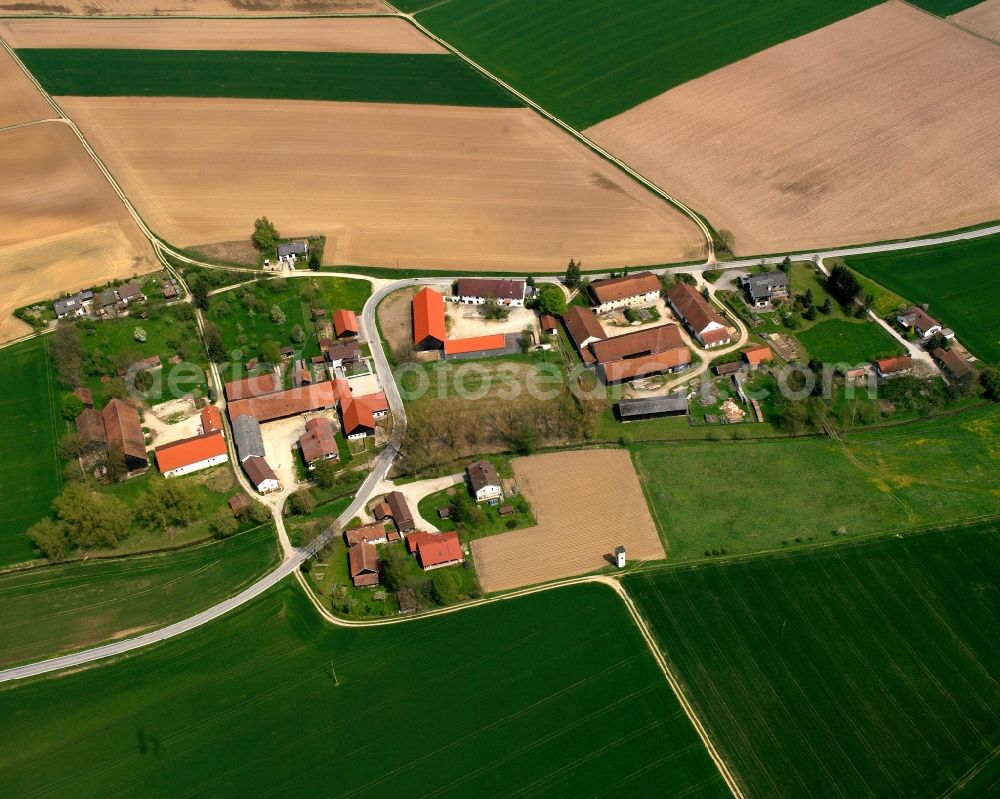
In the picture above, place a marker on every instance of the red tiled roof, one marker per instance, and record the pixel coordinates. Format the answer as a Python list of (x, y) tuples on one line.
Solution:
[(190, 451), (956, 365), (369, 532), (718, 336), (123, 428), (757, 355), (458, 346), (630, 368), (898, 364), (634, 345), (313, 397), (621, 288), (356, 416), (547, 322), (435, 549), (90, 427), (376, 402), (211, 419), (583, 325), (428, 316), (697, 313), (318, 441), (345, 323), (363, 559), (250, 387)]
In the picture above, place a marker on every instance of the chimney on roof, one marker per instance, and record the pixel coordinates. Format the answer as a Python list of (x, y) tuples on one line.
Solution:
[(620, 557)]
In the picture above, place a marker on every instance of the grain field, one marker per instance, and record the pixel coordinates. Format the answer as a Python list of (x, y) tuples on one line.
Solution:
[(20, 100)]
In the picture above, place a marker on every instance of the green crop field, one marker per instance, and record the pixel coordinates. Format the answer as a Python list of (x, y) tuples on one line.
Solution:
[(554, 694), (944, 8), (357, 77), (30, 424), (960, 282), (53, 610), (747, 496), (589, 60), (865, 670), (841, 341)]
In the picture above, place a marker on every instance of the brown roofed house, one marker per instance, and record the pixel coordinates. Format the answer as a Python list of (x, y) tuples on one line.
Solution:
[(363, 559), (399, 511), (372, 533), (484, 481), (477, 289), (311, 397), (124, 431), (319, 442), (707, 326), (260, 474), (256, 386), (548, 324), (90, 431), (645, 352), (640, 288), (953, 363), (584, 328)]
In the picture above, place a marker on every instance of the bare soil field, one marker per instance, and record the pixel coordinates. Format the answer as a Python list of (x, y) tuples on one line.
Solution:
[(876, 127), (389, 185), (329, 34), (395, 319), (65, 228), (191, 8), (983, 18), (20, 101), (587, 503)]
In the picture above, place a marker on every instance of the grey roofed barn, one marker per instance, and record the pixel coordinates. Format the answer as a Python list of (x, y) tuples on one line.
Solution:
[(247, 437)]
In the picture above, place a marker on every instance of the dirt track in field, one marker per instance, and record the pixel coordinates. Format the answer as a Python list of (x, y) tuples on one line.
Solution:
[(203, 8), (586, 504), (64, 227), (983, 18), (389, 185), (881, 126), (330, 34), (20, 101)]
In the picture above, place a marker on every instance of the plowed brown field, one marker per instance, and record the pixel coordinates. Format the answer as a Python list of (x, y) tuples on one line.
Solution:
[(64, 228), (193, 8), (389, 185), (586, 503), (328, 34), (881, 126), (20, 101), (982, 18)]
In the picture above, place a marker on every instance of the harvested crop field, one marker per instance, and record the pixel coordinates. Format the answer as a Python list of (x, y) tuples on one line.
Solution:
[(328, 34), (587, 503), (20, 101), (872, 128), (389, 185), (65, 230), (983, 18), (196, 8)]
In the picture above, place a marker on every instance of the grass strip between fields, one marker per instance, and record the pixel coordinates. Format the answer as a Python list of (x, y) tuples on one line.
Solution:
[(348, 77)]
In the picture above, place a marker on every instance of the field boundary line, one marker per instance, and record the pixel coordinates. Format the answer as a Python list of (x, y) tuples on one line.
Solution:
[(971, 774), (53, 416)]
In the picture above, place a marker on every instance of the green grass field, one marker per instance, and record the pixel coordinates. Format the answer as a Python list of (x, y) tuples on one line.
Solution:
[(554, 694), (53, 610), (592, 59), (748, 496), (848, 342), (30, 424), (961, 283), (943, 8), (864, 670), (357, 77)]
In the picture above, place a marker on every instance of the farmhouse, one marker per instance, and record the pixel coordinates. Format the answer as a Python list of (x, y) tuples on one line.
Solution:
[(340, 354), (363, 559), (475, 346), (763, 289), (256, 386), (192, 454), (428, 320), (130, 292), (260, 475), (475, 291), (642, 288), (319, 442), (633, 410), (394, 507), (693, 310), (954, 364), (357, 420), (920, 321), (315, 397), (104, 302), (484, 482), (377, 403), (548, 324), (345, 323), (584, 328), (292, 251), (435, 550), (757, 354), (645, 352), (247, 438), (90, 431), (76, 305), (894, 367), (211, 419), (124, 431), (372, 533)]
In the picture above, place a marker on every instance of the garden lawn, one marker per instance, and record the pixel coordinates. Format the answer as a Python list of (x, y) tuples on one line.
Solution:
[(748, 496), (960, 282), (554, 694), (589, 60), (490, 523), (347, 77), (839, 341), (30, 424), (858, 670), (48, 611)]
